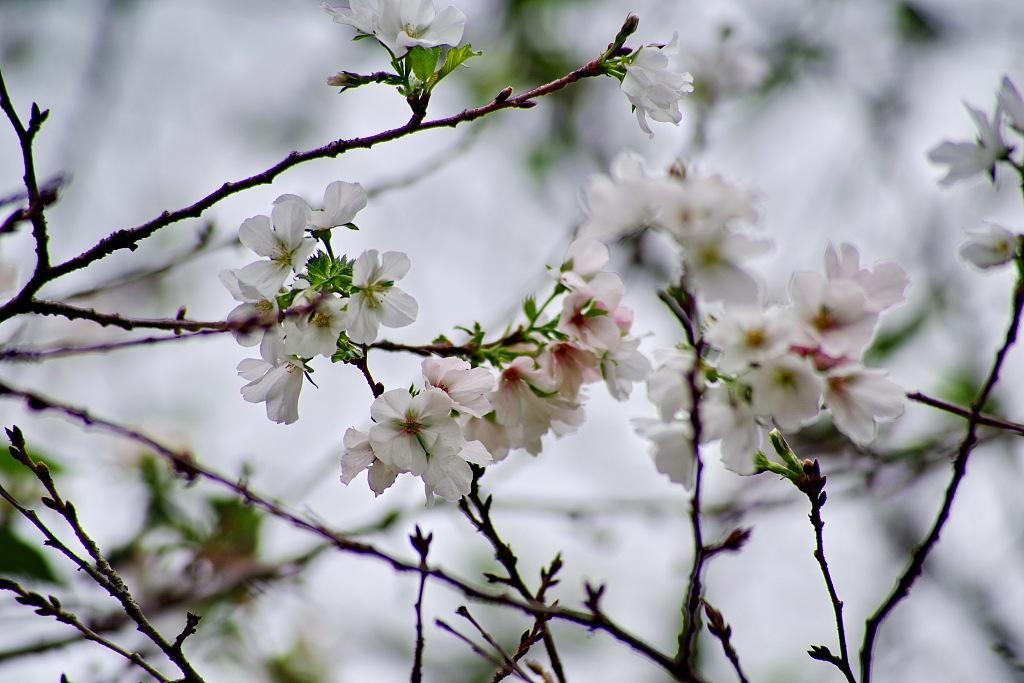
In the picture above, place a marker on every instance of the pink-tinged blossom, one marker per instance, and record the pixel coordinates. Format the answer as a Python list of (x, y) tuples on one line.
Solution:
[(402, 24), (714, 261), (375, 300), (652, 87), (276, 379), (526, 406), (832, 314), (569, 367), (342, 201), (467, 387), (359, 456), (989, 247), (316, 333), (728, 416), (624, 366), (254, 306), (583, 260), (859, 398), (787, 389), (410, 428), (490, 433), (586, 313), (284, 244), (748, 335), (668, 386), (967, 159), (1011, 103), (671, 447), (884, 285)]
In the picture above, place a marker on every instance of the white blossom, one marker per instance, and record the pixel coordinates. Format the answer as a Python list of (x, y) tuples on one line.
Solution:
[(747, 334), (859, 398), (448, 472), (966, 159), (285, 245), (668, 386), (254, 306), (884, 285), (671, 447), (728, 416), (342, 201), (315, 333), (525, 405), (402, 24), (696, 203), (467, 387), (583, 260), (488, 431), (1011, 103), (359, 456), (619, 203), (989, 247), (623, 366), (832, 314), (410, 428), (652, 87), (276, 378), (714, 263), (786, 388), (376, 301)]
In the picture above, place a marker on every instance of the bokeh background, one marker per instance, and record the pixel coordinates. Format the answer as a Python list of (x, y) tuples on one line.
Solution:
[(824, 108)]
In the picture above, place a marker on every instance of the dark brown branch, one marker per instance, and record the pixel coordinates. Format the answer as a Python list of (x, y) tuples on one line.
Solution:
[(129, 238), (952, 408), (480, 518), (185, 465), (421, 544), (51, 607), (444, 626), (723, 632), (916, 565), (812, 484), (99, 570)]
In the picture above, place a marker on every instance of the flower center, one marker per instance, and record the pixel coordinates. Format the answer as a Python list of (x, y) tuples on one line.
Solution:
[(824, 320), (264, 307), (756, 338), (785, 378), (410, 426), (322, 320)]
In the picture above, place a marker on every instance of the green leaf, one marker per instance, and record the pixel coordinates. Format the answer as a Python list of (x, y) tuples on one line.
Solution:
[(329, 274), (18, 558), (530, 308), (456, 57), (423, 61)]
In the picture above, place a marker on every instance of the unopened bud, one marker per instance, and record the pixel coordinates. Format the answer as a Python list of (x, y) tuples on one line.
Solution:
[(504, 94)]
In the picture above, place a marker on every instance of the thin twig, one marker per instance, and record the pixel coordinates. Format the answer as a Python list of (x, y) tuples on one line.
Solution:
[(914, 568), (421, 544), (723, 632), (185, 465)]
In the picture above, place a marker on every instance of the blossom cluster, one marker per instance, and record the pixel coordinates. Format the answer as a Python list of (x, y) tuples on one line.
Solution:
[(507, 394), (992, 245), (330, 303), (760, 364)]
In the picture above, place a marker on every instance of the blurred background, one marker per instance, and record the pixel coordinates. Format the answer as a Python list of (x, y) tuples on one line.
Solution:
[(825, 109)]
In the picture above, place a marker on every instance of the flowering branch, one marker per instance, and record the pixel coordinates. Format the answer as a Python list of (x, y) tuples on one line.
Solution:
[(185, 465), (910, 575)]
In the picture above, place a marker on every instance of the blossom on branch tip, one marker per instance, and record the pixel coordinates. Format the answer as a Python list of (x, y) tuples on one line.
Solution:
[(967, 159), (989, 247), (315, 333), (254, 306), (375, 300), (402, 24), (652, 87), (282, 240)]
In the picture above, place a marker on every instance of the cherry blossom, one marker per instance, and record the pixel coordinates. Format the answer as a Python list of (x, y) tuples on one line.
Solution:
[(527, 407), (254, 306), (832, 314), (989, 247), (569, 367), (786, 388), (285, 244), (729, 416), (622, 202), (402, 24), (1011, 103), (275, 378), (586, 313), (376, 301), (884, 285), (668, 387), (315, 334), (714, 264), (671, 447), (859, 398), (584, 259), (747, 334), (342, 201), (359, 456), (624, 366), (467, 387), (967, 159), (652, 87), (410, 428)]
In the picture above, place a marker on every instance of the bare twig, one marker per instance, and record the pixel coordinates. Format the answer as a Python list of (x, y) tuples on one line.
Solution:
[(914, 568), (421, 544), (723, 632)]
